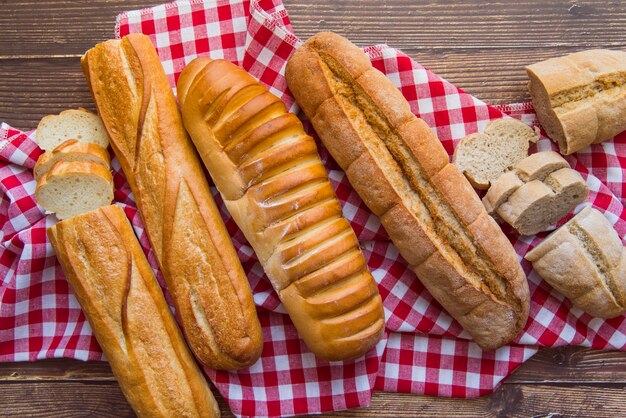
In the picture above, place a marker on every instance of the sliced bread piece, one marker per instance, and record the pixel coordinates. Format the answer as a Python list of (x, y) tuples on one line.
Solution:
[(71, 150), (79, 124), (536, 193), (585, 261), (483, 157), (72, 188)]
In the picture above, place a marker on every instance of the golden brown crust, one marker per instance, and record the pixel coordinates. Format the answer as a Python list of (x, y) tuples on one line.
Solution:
[(71, 150), (277, 190), (428, 208), (209, 288), (113, 282)]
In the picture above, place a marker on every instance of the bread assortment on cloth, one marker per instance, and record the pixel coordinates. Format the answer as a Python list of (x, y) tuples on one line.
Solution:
[(78, 124), (484, 156), (112, 280), (580, 98), (276, 188), (585, 260), (537, 192), (399, 168), (195, 254)]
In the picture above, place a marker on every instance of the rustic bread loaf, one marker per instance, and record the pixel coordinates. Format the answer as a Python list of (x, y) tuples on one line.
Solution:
[(112, 280), (69, 151), (536, 193), (277, 190), (79, 124), (585, 261), (580, 99), (71, 188), (198, 261), (485, 156), (402, 172)]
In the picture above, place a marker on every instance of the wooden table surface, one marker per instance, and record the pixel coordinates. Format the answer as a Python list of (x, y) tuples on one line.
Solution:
[(481, 46)]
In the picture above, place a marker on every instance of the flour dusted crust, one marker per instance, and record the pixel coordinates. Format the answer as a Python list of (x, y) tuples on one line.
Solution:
[(114, 284), (198, 261), (276, 188), (401, 171), (580, 99)]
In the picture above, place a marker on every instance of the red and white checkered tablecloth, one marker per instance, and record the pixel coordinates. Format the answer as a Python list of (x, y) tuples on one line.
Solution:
[(424, 350)]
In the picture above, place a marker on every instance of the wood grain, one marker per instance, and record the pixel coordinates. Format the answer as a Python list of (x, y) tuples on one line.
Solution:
[(481, 46)]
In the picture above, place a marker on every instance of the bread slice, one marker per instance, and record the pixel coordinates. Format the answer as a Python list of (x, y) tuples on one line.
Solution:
[(483, 157), (585, 261), (536, 193), (78, 124), (71, 150), (72, 188)]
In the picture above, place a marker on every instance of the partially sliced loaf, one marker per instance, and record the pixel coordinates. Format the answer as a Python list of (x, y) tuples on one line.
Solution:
[(483, 157), (536, 193), (78, 124), (585, 261), (72, 188), (71, 150)]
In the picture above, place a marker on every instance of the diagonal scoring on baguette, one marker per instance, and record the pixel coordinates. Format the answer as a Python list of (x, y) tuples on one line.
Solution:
[(183, 224), (595, 253), (426, 202), (277, 189)]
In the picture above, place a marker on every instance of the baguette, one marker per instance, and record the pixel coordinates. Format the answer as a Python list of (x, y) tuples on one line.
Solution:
[(209, 288), (580, 99), (585, 261), (79, 124), (112, 280), (402, 172), (69, 151), (277, 190)]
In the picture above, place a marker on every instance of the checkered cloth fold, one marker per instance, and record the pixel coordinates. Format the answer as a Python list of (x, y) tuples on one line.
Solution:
[(424, 350)]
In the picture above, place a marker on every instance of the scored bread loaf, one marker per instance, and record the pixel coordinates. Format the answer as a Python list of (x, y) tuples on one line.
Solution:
[(71, 188), (203, 273), (277, 190), (79, 124), (485, 156), (580, 99), (112, 280), (585, 261), (71, 150), (536, 193), (402, 172)]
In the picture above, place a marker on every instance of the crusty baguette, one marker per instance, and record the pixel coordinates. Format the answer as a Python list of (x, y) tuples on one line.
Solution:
[(71, 188), (536, 192), (198, 261), (68, 151), (112, 280), (79, 124), (484, 156), (277, 190), (585, 261), (580, 99), (402, 172)]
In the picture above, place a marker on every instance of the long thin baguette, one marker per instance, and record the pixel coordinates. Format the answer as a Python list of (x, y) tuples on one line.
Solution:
[(200, 266), (113, 282), (400, 169), (277, 190)]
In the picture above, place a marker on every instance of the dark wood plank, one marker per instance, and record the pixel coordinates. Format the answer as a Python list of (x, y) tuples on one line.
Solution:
[(104, 399), (70, 27)]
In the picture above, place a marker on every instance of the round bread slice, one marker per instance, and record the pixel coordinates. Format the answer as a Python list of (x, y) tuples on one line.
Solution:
[(78, 124), (71, 150), (483, 157), (72, 188)]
